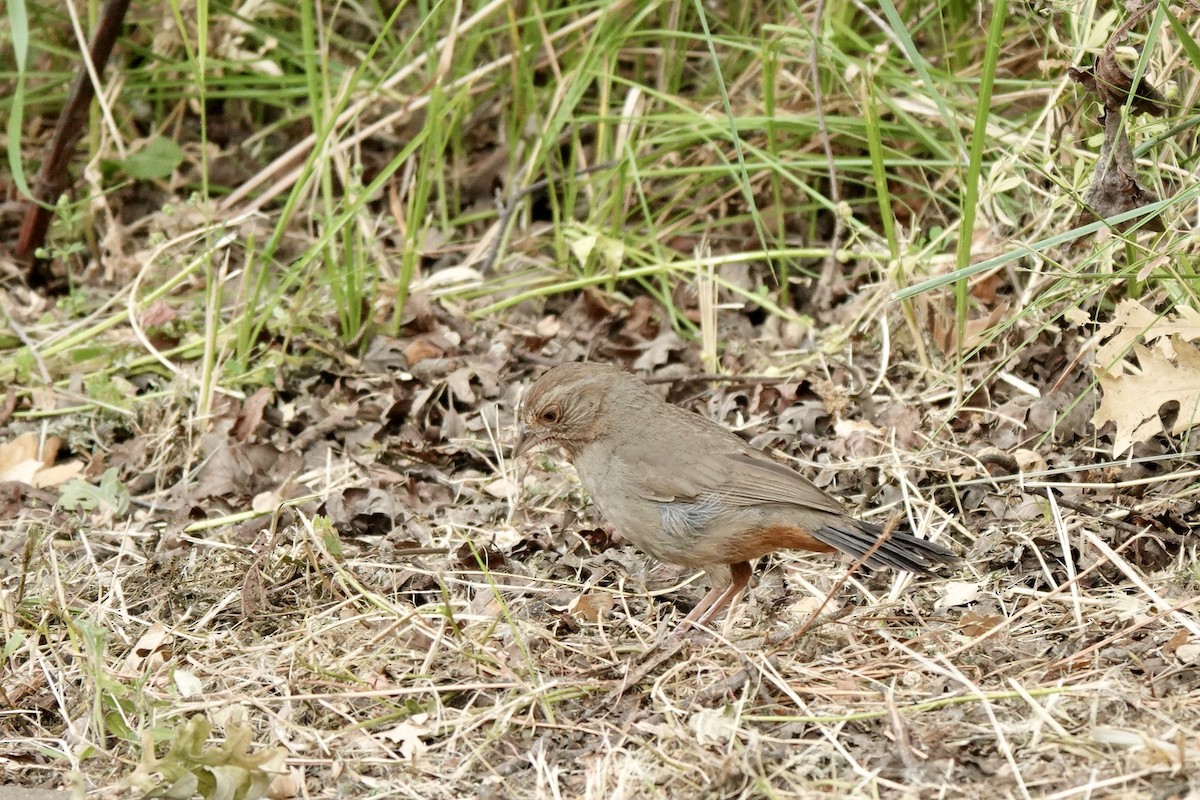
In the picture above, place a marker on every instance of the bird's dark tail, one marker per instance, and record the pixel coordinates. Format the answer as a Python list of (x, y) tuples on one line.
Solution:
[(900, 550)]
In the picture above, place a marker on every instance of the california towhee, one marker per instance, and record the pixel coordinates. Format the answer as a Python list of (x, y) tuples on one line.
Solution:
[(686, 490)]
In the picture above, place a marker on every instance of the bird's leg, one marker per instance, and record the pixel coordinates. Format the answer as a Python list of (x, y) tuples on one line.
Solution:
[(717, 598), (714, 594), (739, 575)]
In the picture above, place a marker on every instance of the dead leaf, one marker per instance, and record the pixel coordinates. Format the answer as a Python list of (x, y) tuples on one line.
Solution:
[(152, 650), (252, 413), (1188, 653), (286, 786), (1115, 187), (957, 593), (478, 556), (976, 331), (22, 461), (408, 735), (16, 456), (1133, 402), (977, 623), (426, 346), (1179, 639), (253, 590), (58, 474), (1112, 84), (658, 351), (385, 356), (501, 488), (363, 511), (241, 470), (158, 314), (187, 683), (1132, 322), (591, 607), (9, 405), (1029, 460), (845, 428), (548, 327), (44, 399)]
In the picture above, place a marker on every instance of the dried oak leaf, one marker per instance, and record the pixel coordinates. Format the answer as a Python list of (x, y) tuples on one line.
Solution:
[(1133, 402), (1132, 322)]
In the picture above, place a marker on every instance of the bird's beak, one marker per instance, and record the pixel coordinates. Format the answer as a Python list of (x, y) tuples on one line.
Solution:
[(525, 441)]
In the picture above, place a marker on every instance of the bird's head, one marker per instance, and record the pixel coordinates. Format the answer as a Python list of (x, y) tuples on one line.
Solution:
[(566, 407)]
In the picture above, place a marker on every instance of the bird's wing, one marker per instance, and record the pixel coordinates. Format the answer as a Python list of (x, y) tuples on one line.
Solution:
[(755, 478), (728, 467)]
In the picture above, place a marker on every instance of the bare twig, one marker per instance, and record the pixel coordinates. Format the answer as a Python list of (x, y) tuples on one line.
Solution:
[(52, 176)]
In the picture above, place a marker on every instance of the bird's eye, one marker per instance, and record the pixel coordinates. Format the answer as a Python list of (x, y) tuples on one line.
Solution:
[(549, 415)]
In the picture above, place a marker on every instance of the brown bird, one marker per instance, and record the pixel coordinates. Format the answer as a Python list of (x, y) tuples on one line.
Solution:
[(687, 491)]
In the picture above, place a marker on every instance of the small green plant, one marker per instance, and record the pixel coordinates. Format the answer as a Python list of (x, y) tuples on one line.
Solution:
[(228, 771), (154, 160), (79, 495)]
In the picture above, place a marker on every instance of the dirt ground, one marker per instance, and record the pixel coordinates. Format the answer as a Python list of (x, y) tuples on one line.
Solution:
[(424, 617)]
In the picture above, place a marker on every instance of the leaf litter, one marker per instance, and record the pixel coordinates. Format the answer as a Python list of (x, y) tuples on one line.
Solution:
[(413, 595)]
